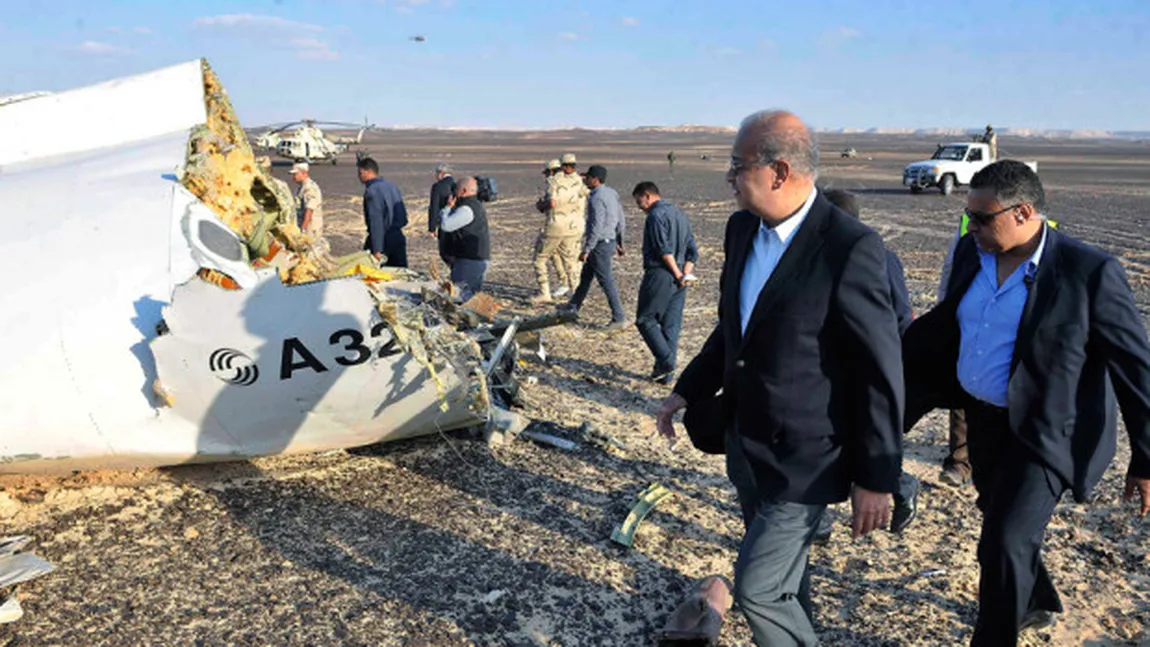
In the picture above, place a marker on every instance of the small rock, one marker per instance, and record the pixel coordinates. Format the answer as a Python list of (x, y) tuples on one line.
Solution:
[(191, 533)]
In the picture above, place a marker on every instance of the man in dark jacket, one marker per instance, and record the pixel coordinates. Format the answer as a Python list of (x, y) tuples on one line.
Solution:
[(384, 214), (906, 497), (899, 295), (441, 193), (669, 257), (466, 243), (1038, 339), (807, 356)]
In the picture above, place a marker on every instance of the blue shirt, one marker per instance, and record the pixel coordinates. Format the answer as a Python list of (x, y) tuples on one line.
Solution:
[(988, 319), (667, 231), (769, 246), (605, 219)]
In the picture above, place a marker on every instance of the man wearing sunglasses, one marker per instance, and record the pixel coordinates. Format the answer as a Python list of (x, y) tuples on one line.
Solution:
[(807, 356), (1041, 339)]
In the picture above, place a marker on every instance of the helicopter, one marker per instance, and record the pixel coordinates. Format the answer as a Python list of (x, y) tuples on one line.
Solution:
[(302, 140)]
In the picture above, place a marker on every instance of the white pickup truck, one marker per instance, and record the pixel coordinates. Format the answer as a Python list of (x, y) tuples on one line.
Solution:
[(951, 165)]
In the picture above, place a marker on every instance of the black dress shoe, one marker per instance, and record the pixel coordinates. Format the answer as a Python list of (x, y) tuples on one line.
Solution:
[(1037, 619), (905, 507), (663, 374)]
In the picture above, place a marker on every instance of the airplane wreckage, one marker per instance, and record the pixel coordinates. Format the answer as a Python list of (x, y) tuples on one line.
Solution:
[(162, 307)]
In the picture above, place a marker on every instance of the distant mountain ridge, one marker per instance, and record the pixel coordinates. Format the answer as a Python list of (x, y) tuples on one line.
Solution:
[(1047, 133), (957, 133)]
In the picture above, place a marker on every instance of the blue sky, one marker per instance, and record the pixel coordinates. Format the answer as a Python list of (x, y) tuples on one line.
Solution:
[(593, 63)]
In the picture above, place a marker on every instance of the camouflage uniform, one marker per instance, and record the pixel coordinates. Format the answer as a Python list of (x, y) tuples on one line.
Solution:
[(309, 197), (991, 139), (562, 233)]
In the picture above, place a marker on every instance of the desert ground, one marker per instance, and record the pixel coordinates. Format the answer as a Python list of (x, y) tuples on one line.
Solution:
[(445, 540)]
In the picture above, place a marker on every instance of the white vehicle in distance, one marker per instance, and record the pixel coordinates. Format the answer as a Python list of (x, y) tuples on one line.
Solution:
[(951, 165)]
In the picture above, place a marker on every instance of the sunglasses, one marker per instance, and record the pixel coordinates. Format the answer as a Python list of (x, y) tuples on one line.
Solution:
[(738, 166), (984, 217)]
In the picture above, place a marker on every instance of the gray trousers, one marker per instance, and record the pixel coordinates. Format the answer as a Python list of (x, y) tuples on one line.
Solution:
[(772, 578), (598, 268)]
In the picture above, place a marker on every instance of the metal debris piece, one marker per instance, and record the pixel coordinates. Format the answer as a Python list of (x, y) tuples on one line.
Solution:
[(17, 567), (644, 503), (484, 305), (497, 354), (13, 545), (22, 567), (548, 439), (592, 434), (458, 316), (503, 423), (10, 610), (536, 323)]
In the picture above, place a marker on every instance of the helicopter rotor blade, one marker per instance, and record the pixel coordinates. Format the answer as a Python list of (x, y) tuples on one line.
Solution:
[(285, 127)]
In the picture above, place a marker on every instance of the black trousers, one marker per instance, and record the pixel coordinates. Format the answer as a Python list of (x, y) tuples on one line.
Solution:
[(1016, 494), (659, 315), (394, 248)]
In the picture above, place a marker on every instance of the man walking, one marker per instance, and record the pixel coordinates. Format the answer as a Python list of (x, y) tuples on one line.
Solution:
[(384, 214), (603, 238), (669, 256), (566, 198), (441, 192), (806, 354), (557, 258), (1039, 341), (906, 497), (466, 241), (309, 201)]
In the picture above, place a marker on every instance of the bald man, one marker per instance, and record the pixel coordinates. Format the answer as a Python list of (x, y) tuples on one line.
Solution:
[(807, 356), (466, 243)]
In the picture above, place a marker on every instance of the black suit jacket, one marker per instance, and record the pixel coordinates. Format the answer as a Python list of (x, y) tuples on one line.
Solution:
[(441, 192), (1081, 348), (814, 387)]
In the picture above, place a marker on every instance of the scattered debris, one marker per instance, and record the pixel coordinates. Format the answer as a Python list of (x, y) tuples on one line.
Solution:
[(645, 502), (497, 354), (484, 305), (590, 433), (504, 423), (248, 333), (15, 568), (548, 439)]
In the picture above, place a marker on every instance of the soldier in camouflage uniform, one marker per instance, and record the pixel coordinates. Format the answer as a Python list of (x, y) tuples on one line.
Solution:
[(309, 201), (562, 234)]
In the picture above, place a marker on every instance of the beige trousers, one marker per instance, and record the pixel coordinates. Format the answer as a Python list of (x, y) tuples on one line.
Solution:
[(564, 251)]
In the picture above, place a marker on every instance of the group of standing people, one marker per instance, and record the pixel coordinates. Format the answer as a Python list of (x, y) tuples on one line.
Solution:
[(585, 224), (807, 386)]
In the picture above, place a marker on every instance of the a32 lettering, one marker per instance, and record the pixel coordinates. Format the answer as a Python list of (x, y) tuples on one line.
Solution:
[(295, 356)]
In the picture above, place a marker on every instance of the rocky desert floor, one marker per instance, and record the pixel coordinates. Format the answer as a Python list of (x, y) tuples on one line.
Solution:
[(445, 540)]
